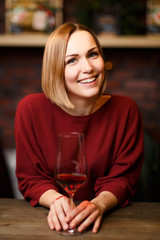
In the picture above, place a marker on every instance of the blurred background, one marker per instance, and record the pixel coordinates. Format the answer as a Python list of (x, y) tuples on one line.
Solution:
[(130, 35)]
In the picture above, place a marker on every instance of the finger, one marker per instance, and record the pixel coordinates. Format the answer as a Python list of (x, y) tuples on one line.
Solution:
[(72, 214), (88, 221), (90, 214), (67, 205), (96, 225), (54, 219), (50, 222), (59, 209)]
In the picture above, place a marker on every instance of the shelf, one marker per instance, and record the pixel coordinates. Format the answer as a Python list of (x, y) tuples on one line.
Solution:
[(39, 40), (148, 41), (23, 40)]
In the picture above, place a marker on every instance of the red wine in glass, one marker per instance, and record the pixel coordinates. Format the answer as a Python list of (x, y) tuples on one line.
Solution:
[(70, 182), (70, 170)]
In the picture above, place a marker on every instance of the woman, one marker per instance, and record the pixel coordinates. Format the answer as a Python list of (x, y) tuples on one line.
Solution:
[(73, 82)]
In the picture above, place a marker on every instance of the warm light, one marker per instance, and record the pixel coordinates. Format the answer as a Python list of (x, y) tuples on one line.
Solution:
[(108, 65)]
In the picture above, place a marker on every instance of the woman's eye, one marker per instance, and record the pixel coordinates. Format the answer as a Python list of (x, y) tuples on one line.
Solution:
[(71, 61), (93, 54)]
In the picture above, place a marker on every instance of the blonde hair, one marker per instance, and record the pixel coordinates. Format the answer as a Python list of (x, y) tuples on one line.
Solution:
[(53, 82)]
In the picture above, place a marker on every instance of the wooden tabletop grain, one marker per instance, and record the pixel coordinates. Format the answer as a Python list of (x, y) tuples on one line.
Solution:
[(20, 221)]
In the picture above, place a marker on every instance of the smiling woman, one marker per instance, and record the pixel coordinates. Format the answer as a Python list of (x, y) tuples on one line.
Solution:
[(84, 71), (73, 81), (57, 47)]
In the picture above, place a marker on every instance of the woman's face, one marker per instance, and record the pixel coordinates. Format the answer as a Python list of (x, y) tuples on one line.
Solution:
[(84, 67)]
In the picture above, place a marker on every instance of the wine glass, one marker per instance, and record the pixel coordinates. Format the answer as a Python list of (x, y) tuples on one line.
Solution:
[(70, 167)]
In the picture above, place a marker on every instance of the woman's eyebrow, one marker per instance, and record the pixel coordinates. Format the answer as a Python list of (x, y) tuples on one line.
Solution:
[(71, 55), (90, 50), (75, 54)]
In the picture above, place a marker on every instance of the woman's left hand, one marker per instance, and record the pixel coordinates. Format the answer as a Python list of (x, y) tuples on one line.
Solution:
[(87, 213), (84, 215)]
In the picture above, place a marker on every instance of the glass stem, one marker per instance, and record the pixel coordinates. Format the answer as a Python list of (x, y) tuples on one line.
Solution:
[(72, 203)]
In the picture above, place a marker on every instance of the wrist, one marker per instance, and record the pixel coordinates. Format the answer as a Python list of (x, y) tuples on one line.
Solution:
[(61, 196), (105, 201), (47, 197), (98, 201)]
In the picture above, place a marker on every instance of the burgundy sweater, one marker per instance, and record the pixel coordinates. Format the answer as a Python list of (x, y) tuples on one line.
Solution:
[(114, 147)]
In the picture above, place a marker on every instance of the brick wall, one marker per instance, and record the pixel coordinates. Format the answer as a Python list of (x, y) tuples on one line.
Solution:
[(136, 73), (20, 74)]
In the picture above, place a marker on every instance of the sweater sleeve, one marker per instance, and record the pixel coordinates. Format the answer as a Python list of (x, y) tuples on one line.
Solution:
[(122, 177), (34, 176)]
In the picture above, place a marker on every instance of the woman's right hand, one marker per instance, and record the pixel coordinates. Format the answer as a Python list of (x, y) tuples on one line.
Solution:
[(57, 213)]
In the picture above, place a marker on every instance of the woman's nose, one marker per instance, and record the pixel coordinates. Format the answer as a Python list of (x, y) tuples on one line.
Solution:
[(86, 66)]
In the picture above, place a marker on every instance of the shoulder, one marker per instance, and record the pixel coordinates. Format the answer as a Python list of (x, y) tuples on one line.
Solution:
[(33, 104), (33, 100), (125, 109), (121, 107), (122, 99), (122, 102)]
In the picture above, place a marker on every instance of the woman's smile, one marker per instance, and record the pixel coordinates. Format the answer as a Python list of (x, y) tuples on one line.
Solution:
[(87, 80)]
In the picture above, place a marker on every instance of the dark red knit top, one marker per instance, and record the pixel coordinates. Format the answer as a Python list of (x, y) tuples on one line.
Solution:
[(114, 147)]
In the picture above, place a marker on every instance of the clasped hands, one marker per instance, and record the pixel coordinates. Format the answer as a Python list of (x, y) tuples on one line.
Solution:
[(64, 215)]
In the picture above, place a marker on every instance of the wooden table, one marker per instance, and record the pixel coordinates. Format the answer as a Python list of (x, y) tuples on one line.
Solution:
[(18, 220)]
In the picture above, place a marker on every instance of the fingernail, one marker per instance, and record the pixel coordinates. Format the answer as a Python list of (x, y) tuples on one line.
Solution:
[(58, 228), (51, 226), (80, 229), (65, 227), (72, 225)]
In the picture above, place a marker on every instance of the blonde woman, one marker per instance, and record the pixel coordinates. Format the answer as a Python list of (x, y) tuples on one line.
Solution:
[(73, 82)]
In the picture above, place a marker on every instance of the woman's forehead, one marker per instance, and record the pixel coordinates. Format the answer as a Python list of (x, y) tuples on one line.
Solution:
[(80, 41)]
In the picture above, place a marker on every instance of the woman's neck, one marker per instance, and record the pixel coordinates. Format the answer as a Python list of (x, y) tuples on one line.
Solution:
[(86, 107), (82, 108)]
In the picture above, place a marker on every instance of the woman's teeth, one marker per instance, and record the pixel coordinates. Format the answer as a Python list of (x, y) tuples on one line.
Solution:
[(89, 80)]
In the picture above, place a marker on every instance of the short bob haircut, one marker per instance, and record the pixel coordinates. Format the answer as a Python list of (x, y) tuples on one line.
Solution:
[(53, 82)]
